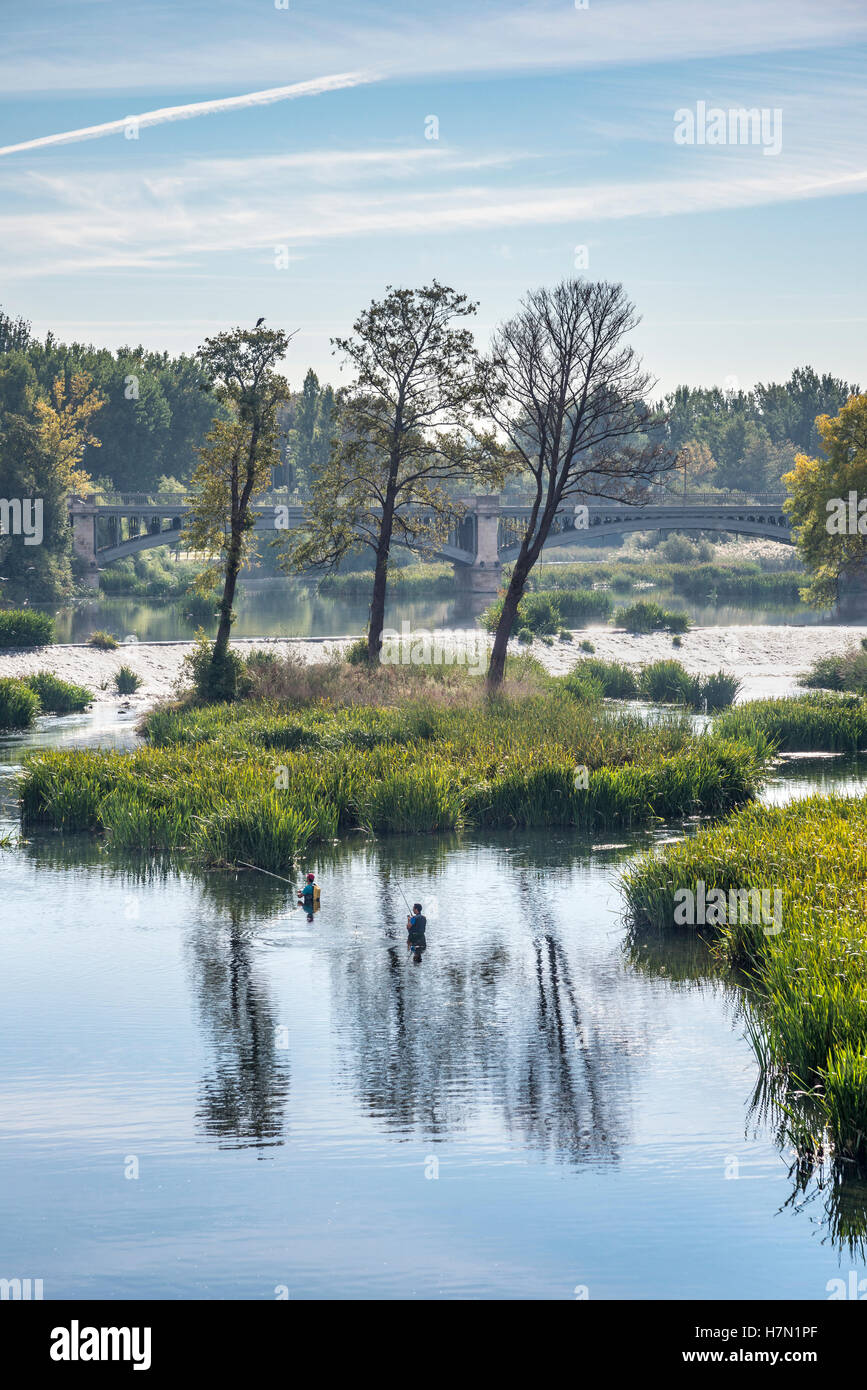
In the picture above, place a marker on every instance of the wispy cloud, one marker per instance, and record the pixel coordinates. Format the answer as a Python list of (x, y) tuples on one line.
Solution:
[(166, 114), (216, 45), (122, 221)]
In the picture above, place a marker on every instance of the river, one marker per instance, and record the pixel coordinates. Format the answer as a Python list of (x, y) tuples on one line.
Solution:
[(206, 1096)]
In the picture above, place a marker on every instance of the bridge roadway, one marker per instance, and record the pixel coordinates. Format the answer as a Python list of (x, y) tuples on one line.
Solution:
[(486, 536)]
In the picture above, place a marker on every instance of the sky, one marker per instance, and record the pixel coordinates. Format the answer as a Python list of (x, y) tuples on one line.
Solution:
[(293, 159)]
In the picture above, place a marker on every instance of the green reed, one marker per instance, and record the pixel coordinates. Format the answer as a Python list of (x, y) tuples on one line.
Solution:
[(810, 1025)]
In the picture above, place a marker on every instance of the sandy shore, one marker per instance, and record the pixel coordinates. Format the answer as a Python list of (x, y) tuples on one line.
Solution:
[(768, 660)]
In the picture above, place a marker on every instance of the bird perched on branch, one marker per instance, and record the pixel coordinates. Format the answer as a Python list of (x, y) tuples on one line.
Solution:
[(260, 321)]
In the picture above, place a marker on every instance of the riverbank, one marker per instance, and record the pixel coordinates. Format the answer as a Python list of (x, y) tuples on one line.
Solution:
[(767, 660)]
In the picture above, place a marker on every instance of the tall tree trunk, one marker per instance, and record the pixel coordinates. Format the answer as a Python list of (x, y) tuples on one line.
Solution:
[(514, 594), (380, 580), (233, 566), (222, 677)]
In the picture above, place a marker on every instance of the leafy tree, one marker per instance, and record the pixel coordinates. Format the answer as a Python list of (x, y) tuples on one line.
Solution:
[(792, 411), (406, 433), (235, 465), (695, 467), (568, 395), (14, 333), (29, 469), (64, 425), (832, 535)]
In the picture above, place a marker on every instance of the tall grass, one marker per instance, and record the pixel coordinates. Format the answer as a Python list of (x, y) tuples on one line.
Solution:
[(152, 574), (57, 696), (744, 583), (664, 682), (811, 1024), (832, 723), (215, 782), (19, 705), (422, 581), (618, 681), (22, 627)]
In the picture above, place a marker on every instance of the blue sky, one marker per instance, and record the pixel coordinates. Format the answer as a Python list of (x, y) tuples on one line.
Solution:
[(555, 131)]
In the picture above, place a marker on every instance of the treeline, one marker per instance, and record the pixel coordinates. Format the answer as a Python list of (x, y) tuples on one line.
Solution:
[(747, 440), (131, 420), (156, 410)]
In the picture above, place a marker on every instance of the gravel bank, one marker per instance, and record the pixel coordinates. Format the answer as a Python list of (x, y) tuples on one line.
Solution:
[(768, 660)]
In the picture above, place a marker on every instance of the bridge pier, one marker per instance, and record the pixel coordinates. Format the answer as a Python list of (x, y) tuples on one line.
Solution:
[(482, 578), (82, 516), (852, 593)]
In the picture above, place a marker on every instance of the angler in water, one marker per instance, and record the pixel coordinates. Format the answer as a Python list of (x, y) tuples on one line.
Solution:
[(415, 937), (308, 898)]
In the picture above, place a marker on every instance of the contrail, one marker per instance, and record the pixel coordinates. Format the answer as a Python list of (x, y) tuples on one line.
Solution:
[(199, 108)]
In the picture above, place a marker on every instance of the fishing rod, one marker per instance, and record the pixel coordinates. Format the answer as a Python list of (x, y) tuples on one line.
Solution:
[(291, 883), (403, 895), (268, 872)]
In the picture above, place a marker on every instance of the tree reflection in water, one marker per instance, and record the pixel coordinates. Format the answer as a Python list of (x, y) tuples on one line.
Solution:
[(432, 1050), (243, 1096)]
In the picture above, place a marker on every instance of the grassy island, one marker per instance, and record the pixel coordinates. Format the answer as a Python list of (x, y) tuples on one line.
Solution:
[(314, 753)]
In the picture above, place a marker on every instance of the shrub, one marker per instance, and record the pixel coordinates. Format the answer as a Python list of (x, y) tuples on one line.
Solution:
[(586, 645), (20, 627), (126, 682), (357, 654), (646, 616), (222, 683), (847, 671), (19, 705), (57, 696), (681, 550), (546, 611), (103, 640), (564, 635), (525, 637)]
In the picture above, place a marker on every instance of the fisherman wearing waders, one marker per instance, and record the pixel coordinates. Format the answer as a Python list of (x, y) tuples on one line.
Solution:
[(415, 937), (308, 898)]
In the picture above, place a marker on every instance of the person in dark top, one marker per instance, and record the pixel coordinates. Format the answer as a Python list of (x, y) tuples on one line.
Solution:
[(415, 937)]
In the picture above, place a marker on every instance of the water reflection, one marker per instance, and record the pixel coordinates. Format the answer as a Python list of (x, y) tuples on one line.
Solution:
[(534, 1049), (512, 1031), (243, 1095)]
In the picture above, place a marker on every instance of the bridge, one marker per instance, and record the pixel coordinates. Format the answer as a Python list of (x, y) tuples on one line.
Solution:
[(485, 536)]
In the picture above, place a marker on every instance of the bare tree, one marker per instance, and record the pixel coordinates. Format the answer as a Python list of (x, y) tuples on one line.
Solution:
[(568, 394)]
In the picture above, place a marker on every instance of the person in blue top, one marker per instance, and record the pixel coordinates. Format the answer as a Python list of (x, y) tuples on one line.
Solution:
[(308, 895), (415, 937)]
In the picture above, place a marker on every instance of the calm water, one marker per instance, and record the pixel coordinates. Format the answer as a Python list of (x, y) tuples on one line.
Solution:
[(292, 608), (530, 1110), (270, 608)]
